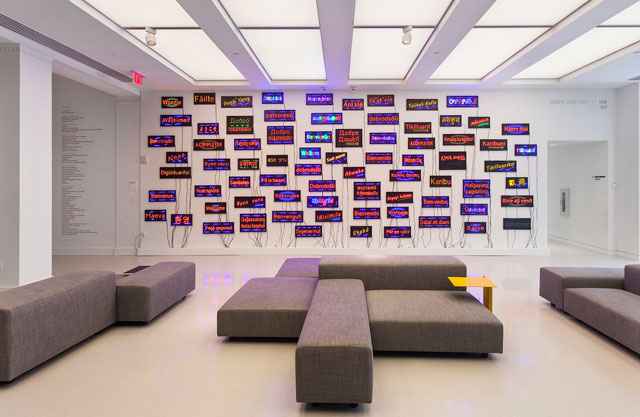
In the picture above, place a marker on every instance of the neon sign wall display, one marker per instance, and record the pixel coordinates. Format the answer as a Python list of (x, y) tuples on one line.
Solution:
[(453, 161), (335, 158), (208, 129), (322, 201), (215, 208), (318, 137), (385, 100), (383, 138), (437, 181), (417, 127), (253, 223), (287, 217), (476, 188), (232, 102), (308, 169), (175, 120), (157, 196), (526, 150), (177, 157), (458, 139), (516, 201), (248, 163), (450, 121), (239, 125), (279, 115), (352, 104), (361, 231), (169, 172), (155, 215), (326, 118), (523, 223), (324, 216), (279, 135), (207, 191), (348, 138), (208, 144), (250, 202), (277, 160), (413, 160), (273, 180), (474, 209), (517, 182), (397, 232), (217, 228), (493, 144), (462, 101), (383, 119), (181, 220), (433, 201), (308, 231), (482, 122), (414, 104), (434, 222), (247, 144), (174, 102), (319, 99), (405, 175), (221, 164), (514, 129), (399, 197), (422, 143), (286, 196), (475, 227), (378, 158), (310, 153), (239, 182), (398, 212), (322, 185), (352, 172), (273, 98), (361, 213), (204, 98), (161, 141), (366, 191), (500, 166)]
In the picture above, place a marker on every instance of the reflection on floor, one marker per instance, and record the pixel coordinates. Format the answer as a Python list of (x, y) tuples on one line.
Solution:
[(176, 366)]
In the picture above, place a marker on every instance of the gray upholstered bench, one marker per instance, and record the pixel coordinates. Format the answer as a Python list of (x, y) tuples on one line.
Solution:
[(40, 320), (334, 359), (554, 281), (299, 267), (143, 295), (267, 307)]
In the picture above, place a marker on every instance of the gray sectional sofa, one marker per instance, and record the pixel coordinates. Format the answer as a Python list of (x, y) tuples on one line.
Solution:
[(607, 299)]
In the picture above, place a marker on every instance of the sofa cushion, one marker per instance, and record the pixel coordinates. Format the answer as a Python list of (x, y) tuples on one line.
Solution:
[(299, 267), (632, 278), (554, 280), (432, 321), (614, 312)]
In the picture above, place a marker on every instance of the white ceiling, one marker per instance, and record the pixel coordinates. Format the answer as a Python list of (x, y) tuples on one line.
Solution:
[(348, 43)]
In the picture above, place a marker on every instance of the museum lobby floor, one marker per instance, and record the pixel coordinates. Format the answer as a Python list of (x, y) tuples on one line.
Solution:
[(177, 366)]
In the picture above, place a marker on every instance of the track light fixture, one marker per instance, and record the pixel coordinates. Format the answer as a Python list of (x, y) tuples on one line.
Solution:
[(150, 37), (406, 35)]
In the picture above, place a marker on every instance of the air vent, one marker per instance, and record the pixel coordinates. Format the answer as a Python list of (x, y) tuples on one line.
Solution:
[(43, 40)]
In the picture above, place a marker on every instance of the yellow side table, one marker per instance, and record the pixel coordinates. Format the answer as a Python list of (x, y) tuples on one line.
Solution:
[(484, 282)]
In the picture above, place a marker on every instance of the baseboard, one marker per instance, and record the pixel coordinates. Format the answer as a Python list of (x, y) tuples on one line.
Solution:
[(626, 255), (337, 251), (84, 251), (581, 245), (124, 251)]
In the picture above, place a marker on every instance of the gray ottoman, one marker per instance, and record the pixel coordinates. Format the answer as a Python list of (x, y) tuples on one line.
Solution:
[(334, 359), (299, 267), (145, 294), (432, 321), (554, 280), (267, 307)]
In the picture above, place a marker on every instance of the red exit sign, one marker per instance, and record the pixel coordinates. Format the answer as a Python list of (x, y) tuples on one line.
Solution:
[(136, 78)]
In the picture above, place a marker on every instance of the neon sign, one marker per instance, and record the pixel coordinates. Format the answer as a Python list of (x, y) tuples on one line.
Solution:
[(500, 166), (161, 141), (249, 202), (434, 222), (319, 99), (348, 138), (322, 185), (215, 208), (450, 121), (308, 169), (174, 102), (272, 98), (277, 160), (326, 118), (239, 125), (352, 104), (155, 215), (208, 129), (433, 201), (366, 191), (422, 143), (204, 98), (324, 216), (231, 102), (456, 139), (384, 100), (493, 144), (399, 197), (352, 172), (223, 164), (523, 223), (383, 138), (517, 182), (207, 191), (309, 231), (310, 153), (417, 127), (397, 232), (476, 188), (168, 172), (516, 201), (217, 228), (286, 196), (239, 182), (438, 181), (453, 161), (513, 129), (181, 220), (335, 158), (248, 163), (156, 196), (280, 135), (361, 231), (462, 101), (318, 137), (474, 209), (475, 227), (383, 119), (398, 212), (526, 150), (414, 104), (378, 158), (405, 175), (253, 222), (247, 144), (413, 160), (273, 180), (208, 144), (279, 115), (322, 201), (287, 217), (177, 157), (483, 122), (175, 120), (366, 213)]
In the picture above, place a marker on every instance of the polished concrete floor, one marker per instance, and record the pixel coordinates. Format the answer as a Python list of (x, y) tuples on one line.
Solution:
[(177, 366)]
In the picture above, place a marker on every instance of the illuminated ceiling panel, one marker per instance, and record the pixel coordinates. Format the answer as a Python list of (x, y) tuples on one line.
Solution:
[(399, 12), (142, 13), (380, 54), (272, 13), (484, 49), (593, 45), (629, 16), (528, 12), (192, 51), (288, 54)]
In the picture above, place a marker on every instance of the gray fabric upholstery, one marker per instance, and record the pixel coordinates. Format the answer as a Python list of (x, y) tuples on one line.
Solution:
[(145, 294), (334, 359), (267, 307), (432, 321), (299, 267), (40, 320), (632, 278), (614, 312), (395, 272), (554, 280)]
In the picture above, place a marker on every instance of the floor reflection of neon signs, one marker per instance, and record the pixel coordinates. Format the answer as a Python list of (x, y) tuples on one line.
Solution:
[(378, 158), (363, 191), (308, 231), (515, 129), (476, 188), (319, 99), (383, 138), (287, 217), (383, 119), (324, 216), (207, 191), (516, 201), (161, 141), (335, 158), (516, 223), (322, 185), (413, 160), (368, 213), (155, 215), (475, 227), (215, 208), (273, 98), (253, 223), (326, 118), (181, 220), (405, 175), (500, 166), (361, 231), (398, 212), (352, 104), (221, 164), (156, 196), (208, 129), (474, 209), (433, 201), (517, 182), (318, 137), (526, 150), (273, 180), (175, 120), (462, 101), (217, 228), (434, 222), (208, 144), (422, 143), (310, 153), (397, 232), (422, 104), (286, 196), (322, 201)]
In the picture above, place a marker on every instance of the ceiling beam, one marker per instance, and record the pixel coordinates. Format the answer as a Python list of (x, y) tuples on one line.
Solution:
[(336, 30), (578, 23), (459, 19), (216, 23)]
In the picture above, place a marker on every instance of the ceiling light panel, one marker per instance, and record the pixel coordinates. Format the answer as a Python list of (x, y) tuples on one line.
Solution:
[(528, 12), (288, 54), (484, 49), (273, 13), (142, 13), (192, 51), (399, 12), (629, 16), (378, 54), (593, 45)]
